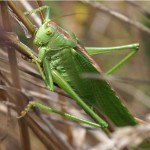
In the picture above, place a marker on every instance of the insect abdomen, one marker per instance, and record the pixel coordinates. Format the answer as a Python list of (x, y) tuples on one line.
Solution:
[(96, 93)]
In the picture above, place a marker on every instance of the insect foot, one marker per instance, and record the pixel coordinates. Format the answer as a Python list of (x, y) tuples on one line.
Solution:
[(26, 110)]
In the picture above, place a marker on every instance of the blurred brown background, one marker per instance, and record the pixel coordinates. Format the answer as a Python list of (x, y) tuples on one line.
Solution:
[(98, 29)]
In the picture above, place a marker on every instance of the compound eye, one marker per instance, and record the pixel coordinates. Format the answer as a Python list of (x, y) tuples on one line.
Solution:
[(48, 31)]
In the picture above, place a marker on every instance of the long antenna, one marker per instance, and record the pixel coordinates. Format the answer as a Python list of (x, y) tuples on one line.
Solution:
[(114, 78)]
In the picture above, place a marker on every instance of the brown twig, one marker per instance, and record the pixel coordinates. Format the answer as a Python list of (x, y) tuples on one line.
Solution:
[(117, 15), (42, 135), (15, 79), (40, 4), (22, 17)]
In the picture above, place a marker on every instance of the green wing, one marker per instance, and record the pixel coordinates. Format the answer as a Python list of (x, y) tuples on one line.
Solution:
[(96, 93)]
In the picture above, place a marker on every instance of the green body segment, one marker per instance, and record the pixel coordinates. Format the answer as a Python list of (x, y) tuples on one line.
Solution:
[(60, 49), (96, 93)]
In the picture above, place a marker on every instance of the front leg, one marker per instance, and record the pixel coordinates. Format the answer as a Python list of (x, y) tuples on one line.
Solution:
[(45, 68), (47, 13), (48, 75)]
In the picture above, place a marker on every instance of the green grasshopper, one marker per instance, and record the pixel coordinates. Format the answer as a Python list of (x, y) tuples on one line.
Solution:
[(63, 60)]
